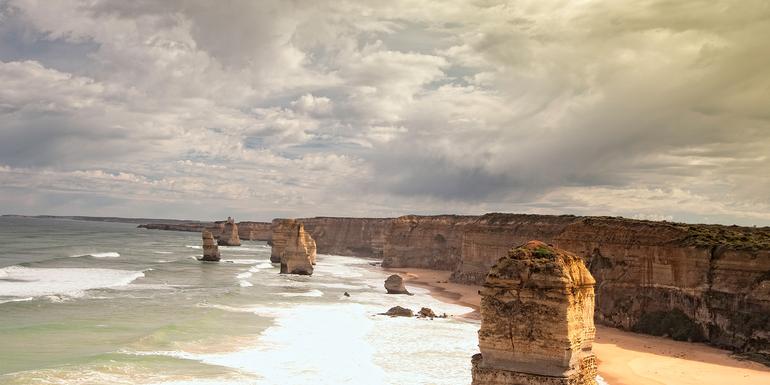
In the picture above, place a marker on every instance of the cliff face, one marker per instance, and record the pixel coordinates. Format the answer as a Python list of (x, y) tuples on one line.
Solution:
[(713, 281), (427, 242), (537, 326), (190, 226), (363, 237), (254, 231)]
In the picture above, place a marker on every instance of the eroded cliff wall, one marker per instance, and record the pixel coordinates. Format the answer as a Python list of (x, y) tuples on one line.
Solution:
[(253, 231), (710, 283), (363, 237), (431, 242)]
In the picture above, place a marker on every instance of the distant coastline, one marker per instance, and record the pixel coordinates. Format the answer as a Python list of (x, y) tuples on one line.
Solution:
[(105, 219)]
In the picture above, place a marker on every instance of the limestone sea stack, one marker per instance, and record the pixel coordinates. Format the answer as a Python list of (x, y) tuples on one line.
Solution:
[(296, 256), (282, 230), (229, 236), (395, 285), (537, 309), (210, 248)]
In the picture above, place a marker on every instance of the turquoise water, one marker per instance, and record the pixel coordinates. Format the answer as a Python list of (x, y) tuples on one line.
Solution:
[(107, 303)]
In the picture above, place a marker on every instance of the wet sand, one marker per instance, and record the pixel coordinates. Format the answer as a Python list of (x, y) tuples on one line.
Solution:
[(624, 358)]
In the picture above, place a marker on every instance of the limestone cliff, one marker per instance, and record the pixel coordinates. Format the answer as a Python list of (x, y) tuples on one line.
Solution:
[(185, 226), (433, 242), (254, 231), (297, 255), (717, 277), (712, 279), (362, 237), (537, 325)]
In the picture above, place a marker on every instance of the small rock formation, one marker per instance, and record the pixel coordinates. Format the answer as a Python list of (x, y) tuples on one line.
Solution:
[(346, 294), (426, 312), (395, 285), (229, 236), (537, 308), (398, 311), (297, 255), (210, 248)]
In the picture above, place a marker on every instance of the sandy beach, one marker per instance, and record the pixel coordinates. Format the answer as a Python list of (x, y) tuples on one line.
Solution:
[(624, 358)]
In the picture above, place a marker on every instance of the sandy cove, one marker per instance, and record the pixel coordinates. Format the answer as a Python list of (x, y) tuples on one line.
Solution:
[(624, 358)]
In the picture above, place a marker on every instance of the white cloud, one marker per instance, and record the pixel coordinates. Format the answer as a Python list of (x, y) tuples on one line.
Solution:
[(647, 109)]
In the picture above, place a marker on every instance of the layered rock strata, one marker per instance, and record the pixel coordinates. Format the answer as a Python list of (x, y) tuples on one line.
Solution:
[(712, 279), (184, 226), (253, 231), (426, 242), (282, 231), (229, 234), (717, 277), (296, 257), (210, 248), (361, 237), (537, 327)]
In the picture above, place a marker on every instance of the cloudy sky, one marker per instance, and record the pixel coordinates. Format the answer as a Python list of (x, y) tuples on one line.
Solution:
[(259, 109)]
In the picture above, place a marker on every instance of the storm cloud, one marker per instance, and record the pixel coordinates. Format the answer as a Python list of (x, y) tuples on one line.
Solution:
[(648, 109)]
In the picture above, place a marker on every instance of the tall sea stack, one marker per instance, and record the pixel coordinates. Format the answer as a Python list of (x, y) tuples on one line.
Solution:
[(537, 308), (210, 248), (284, 230), (229, 236), (298, 255)]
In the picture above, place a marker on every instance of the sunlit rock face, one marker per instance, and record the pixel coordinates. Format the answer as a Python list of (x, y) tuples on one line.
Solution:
[(281, 231), (295, 249), (254, 231), (311, 246), (363, 237), (210, 248), (537, 325), (229, 235)]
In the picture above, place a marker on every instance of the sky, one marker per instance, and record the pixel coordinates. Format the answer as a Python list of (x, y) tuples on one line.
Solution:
[(260, 109)]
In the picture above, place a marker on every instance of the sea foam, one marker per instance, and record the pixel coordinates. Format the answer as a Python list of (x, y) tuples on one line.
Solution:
[(109, 254), (24, 282)]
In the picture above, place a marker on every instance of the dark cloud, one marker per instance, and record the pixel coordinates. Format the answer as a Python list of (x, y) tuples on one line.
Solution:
[(651, 109)]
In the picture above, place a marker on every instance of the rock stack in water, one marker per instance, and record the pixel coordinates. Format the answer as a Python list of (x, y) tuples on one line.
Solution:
[(395, 285), (537, 308), (210, 248), (282, 231), (298, 253), (229, 236)]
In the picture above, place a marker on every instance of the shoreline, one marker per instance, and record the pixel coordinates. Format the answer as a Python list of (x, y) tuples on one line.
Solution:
[(437, 282), (623, 358)]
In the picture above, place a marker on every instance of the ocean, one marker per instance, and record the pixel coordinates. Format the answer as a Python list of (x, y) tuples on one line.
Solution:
[(107, 303)]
